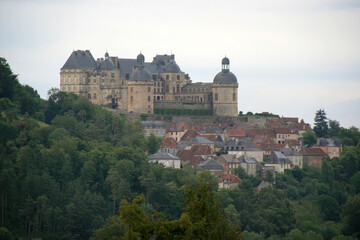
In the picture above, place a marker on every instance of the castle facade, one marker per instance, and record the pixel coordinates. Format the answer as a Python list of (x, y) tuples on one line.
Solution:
[(133, 85)]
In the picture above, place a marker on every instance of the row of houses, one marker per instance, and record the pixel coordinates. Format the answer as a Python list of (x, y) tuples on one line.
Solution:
[(220, 148)]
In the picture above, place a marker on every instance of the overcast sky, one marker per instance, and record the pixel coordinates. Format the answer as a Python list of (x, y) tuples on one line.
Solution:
[(290, 57)]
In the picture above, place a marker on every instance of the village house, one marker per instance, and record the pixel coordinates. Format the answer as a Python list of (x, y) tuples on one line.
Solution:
[(230, 162), (210, 164), (249, 164), (283, 134), (313, 156), (293, 155), (332, 147), (169, 145), (244, 146), (157, 128), (229, 181), (279, 162), (167, 159)]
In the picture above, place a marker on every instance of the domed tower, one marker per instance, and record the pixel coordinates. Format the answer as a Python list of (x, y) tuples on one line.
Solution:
[(224, 91), (140, 88)]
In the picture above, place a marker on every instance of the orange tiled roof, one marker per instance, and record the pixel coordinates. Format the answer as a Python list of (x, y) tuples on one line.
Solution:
[(168, 143), (236, 133), (231, 178), (189, 135), (312, 152)]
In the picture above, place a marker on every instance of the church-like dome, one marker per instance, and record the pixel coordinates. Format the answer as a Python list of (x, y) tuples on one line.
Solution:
[(225, 76), (172, 67), (140, 73)]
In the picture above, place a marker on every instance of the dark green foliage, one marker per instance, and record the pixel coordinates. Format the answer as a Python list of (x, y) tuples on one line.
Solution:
[(351, 214), (8, 81), (321, 127), (334, 128), (309, 138)]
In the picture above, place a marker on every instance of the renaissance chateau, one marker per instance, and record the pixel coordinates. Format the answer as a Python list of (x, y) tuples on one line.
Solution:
[(136, 86)]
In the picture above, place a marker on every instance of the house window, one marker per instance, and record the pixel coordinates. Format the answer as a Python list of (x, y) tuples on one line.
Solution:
[(216, 96), (157, 132), (161, 132)]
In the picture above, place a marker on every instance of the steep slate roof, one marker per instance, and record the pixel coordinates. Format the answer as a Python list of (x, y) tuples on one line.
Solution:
[(330, 142), (241, 144), (246, 159), (312, 152), (210, 164), (106, 65), (230, 158), (289, 152), (80, 59), (153, 124), (200, 140), (277, 158), (200, 150), (163, 155)]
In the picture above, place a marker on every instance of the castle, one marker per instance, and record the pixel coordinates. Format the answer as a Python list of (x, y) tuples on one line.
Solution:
[(136, 86)]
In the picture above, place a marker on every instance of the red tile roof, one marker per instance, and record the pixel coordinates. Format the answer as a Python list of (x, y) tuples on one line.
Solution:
[(189, 135), (168, 143), (231, 178), (285, 131), (200, 149), (252, 132), (236, 133), (312, 152)]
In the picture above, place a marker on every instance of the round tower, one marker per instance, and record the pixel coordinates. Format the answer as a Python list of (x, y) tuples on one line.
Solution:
[(224, 91), (140, 88)]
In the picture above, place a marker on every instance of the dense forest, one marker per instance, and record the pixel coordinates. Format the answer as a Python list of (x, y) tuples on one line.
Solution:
[(73, 170)]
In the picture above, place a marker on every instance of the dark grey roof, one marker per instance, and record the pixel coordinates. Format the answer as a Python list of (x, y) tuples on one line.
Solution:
[(183, 144), (225, 76), (241, 144), (225, 60), (209, 129), (153, 124), (210, 164), (330, 142), (289, 152), (80, 59), (172, 67), (140, 74), (163, 155), (201, 140), (245, 158), (277, 158), (106, 65)]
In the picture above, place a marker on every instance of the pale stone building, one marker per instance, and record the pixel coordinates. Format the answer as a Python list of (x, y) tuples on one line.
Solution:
[(133, 85)]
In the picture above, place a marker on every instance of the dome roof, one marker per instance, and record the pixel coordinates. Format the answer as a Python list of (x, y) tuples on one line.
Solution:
[(225, 77), (140, 57), (106, 65), (225, 60), (140, 74), (172, 67)]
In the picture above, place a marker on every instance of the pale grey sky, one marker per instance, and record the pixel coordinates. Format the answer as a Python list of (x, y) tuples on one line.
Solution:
[(290, 57)]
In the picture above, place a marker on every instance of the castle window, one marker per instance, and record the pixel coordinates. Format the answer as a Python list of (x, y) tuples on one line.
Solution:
[(94, 88), (69, 79), (89, 95), (112, 75), (154, 77), (94, 80), (122, 82), (75, 80), (131, 89), (149, 89), (83, 79), (112, 91), (173, 89), (178, 88), (74, 88), (64, 88), (131, 99), (178, 77), (148, 98), (127, 76), (216, 97), (94, 95), (167, 77), (234, 96), (69, 88)]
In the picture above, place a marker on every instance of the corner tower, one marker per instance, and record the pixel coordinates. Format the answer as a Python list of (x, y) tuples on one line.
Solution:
[(140, 88), (224, 92)]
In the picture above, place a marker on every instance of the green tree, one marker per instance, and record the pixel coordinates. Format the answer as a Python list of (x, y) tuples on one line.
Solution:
[(153, 143), (8, 81), (308, 138), (321, 127), (329, 207), (351, 214), (334, 128)]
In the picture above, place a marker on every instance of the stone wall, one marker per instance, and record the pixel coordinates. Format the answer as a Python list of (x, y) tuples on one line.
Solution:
[(181, 105)]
